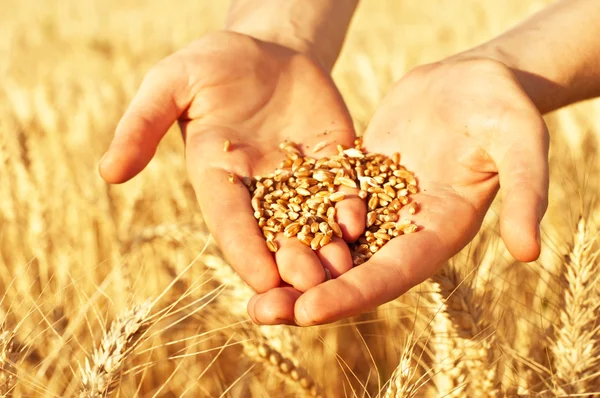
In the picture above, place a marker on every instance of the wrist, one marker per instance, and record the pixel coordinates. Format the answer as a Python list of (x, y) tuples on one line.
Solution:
[(283, 38), (314, 28), (544, 81)]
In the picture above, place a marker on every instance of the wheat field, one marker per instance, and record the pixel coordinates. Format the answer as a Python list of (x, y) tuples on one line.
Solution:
[(120, 291)]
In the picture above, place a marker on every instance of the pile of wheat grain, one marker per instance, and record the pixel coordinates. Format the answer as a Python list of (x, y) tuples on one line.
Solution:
[(299, 197), (79, 259)]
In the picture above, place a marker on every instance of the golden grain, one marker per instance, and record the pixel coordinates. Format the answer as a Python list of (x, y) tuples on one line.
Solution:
[(315, 182), (320, 145), (337, 196), (272, 245)]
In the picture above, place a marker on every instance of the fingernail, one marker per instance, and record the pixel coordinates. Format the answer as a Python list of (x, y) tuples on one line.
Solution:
[(301, 317)]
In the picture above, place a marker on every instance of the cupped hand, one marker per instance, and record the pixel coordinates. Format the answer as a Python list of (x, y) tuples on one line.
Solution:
[(465, 128), (228, 86)]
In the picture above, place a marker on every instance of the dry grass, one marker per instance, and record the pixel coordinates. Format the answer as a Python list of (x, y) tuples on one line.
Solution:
[(75, 253)]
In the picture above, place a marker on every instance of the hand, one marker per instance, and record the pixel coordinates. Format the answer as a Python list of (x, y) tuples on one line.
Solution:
[(229, 86), (465, 128)]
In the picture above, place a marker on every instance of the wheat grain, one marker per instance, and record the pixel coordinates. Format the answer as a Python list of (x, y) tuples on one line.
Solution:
[(320, 145), (272, 245)]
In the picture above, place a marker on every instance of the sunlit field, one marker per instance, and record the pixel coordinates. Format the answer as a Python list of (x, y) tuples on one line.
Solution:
[(120, 290)]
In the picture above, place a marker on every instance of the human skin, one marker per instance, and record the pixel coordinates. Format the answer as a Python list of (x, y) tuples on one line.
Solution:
[(256, 87), (465, 126)]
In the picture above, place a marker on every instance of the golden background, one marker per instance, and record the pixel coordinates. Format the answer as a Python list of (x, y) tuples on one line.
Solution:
[(74, 252)]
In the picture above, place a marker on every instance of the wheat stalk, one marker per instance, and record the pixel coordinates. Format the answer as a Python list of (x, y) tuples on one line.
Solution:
[(99, 377), (576, 346)]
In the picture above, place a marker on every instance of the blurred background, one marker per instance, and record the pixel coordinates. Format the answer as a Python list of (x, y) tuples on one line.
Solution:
[(74, 252)]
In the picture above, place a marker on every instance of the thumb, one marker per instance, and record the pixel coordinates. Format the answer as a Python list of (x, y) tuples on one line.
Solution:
[(523, 171), (162, 97)]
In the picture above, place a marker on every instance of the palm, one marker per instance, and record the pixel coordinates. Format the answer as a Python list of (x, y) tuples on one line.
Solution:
[(455, 137), (257, 95), (456, 175), (446, 143)]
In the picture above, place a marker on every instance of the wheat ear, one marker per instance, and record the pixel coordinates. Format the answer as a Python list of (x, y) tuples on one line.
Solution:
[(99, 376), (286, 367), (402, 383), (274, 346), (449, 374), (576, 346), (470, 339), (7, 369)]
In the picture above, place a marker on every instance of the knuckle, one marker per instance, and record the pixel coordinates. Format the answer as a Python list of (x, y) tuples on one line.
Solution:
[(310, 279), (314, 311), (302, 278), (158, 70), (172, 69)]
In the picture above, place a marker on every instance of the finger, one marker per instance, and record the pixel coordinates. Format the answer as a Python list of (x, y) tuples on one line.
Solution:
[(447, 224), (336, 257), (523, 172), (274, 307), (162, 97), (250, 307), (351, 214), (277, 305), (403, 263), (298, 264), (229, 216)]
